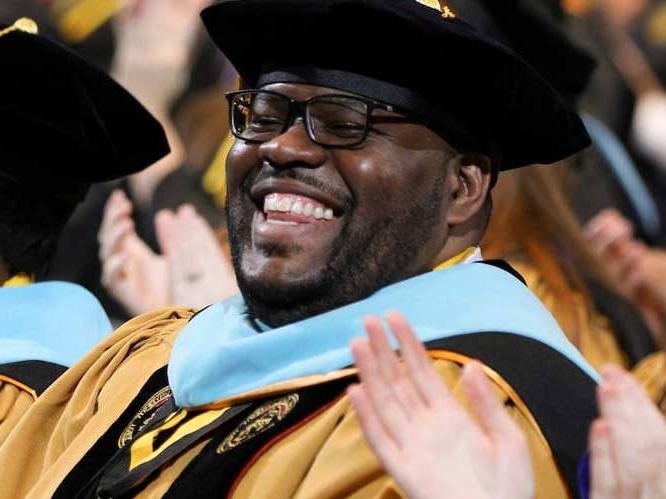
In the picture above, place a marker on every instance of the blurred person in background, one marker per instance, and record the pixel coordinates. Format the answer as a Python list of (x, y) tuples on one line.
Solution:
[(533, 225), (180, 77), (535, 229), (625, 102), (64, 125)]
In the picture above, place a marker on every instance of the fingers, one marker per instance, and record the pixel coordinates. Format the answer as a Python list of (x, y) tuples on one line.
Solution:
[(114, 237), (637, 426), (113, 272), (165, 222), (117, 224), (602, 470), (607, 229), (419, 366), (373, 428), (490, 413), (116, 208), (387, 406), (387, 362)]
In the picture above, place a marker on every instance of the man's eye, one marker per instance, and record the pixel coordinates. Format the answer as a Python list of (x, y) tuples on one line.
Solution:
[(344, 128), (265, 122)]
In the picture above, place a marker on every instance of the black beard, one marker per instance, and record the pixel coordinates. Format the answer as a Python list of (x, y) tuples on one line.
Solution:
[(366, 258)]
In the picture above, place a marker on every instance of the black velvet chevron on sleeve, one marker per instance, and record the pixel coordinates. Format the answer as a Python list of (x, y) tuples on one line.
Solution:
[(35, 374), (558, 393)]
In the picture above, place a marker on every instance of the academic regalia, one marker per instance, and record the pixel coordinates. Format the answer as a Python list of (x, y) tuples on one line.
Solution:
[(286, 389), (591, 332), (177, 404), (64, 126), (33, 350)]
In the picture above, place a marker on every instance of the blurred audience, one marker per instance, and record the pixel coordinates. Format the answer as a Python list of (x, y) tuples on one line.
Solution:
[(181, 79), (535, 229), (194, 268)]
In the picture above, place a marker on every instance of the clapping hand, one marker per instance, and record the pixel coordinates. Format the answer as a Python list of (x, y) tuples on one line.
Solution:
[(422, 435)]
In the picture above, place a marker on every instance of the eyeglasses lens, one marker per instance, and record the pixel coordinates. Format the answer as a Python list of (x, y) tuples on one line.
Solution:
[(338, 121), (331, 120), (259, 116)]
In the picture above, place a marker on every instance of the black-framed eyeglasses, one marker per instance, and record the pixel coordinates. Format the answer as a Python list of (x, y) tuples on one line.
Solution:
[(331, 120)]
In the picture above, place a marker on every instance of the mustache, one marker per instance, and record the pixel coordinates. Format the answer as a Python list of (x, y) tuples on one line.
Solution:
[(308, 179)]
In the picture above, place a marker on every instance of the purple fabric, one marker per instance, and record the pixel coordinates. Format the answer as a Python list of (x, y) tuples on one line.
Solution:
[(584, 477)]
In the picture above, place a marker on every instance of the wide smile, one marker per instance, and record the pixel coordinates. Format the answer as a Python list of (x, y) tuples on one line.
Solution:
[(291, 213)]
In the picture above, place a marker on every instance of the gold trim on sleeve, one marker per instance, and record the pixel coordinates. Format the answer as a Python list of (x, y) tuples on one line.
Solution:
[(19, 385), (499, 381)]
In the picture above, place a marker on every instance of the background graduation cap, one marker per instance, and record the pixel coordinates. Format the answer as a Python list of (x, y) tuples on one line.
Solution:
[(64, 124), (419, 58), (536, 30)]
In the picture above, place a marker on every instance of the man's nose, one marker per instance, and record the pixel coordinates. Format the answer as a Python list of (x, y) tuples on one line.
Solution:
[(293, 147)]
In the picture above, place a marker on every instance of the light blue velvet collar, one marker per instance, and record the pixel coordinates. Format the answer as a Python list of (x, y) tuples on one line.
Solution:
[(53, 322), (218, 354)]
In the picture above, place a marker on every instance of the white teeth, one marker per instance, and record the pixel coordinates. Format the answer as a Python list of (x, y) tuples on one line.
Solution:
[(297, 208), (282, 222), (284, 205), (270, 203)]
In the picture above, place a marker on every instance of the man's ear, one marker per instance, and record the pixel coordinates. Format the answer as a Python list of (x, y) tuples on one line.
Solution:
[(470, 185)]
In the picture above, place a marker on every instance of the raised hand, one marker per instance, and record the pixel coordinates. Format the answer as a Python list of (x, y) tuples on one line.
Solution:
[(423, 437), (628, 442), (131, 272), (193, 270), (611, 238), (200, 272), (156, 38)]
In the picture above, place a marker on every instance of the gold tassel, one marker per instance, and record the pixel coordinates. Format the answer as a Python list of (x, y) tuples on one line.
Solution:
[(24, 25), (439, 5)]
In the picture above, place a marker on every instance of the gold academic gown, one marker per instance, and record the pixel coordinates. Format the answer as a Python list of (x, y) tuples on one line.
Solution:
[(651, 373), (23, 381), (15, 401), (16, 397), (111, 401), (589, 331)]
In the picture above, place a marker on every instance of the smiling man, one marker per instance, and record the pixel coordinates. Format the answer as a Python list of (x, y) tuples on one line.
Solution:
[(367, 141), (357, 197)]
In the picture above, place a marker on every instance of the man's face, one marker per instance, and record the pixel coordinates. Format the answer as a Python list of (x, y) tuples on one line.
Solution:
[(313, 228)]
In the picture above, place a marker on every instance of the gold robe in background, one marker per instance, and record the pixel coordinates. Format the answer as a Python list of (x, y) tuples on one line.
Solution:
[(588, 330)]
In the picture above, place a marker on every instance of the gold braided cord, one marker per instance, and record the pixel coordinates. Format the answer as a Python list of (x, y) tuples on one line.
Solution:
[(439, 5), (24, 25)]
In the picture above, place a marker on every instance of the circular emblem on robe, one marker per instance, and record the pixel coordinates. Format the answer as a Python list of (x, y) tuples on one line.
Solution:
[(144, 416), (261, 419)]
